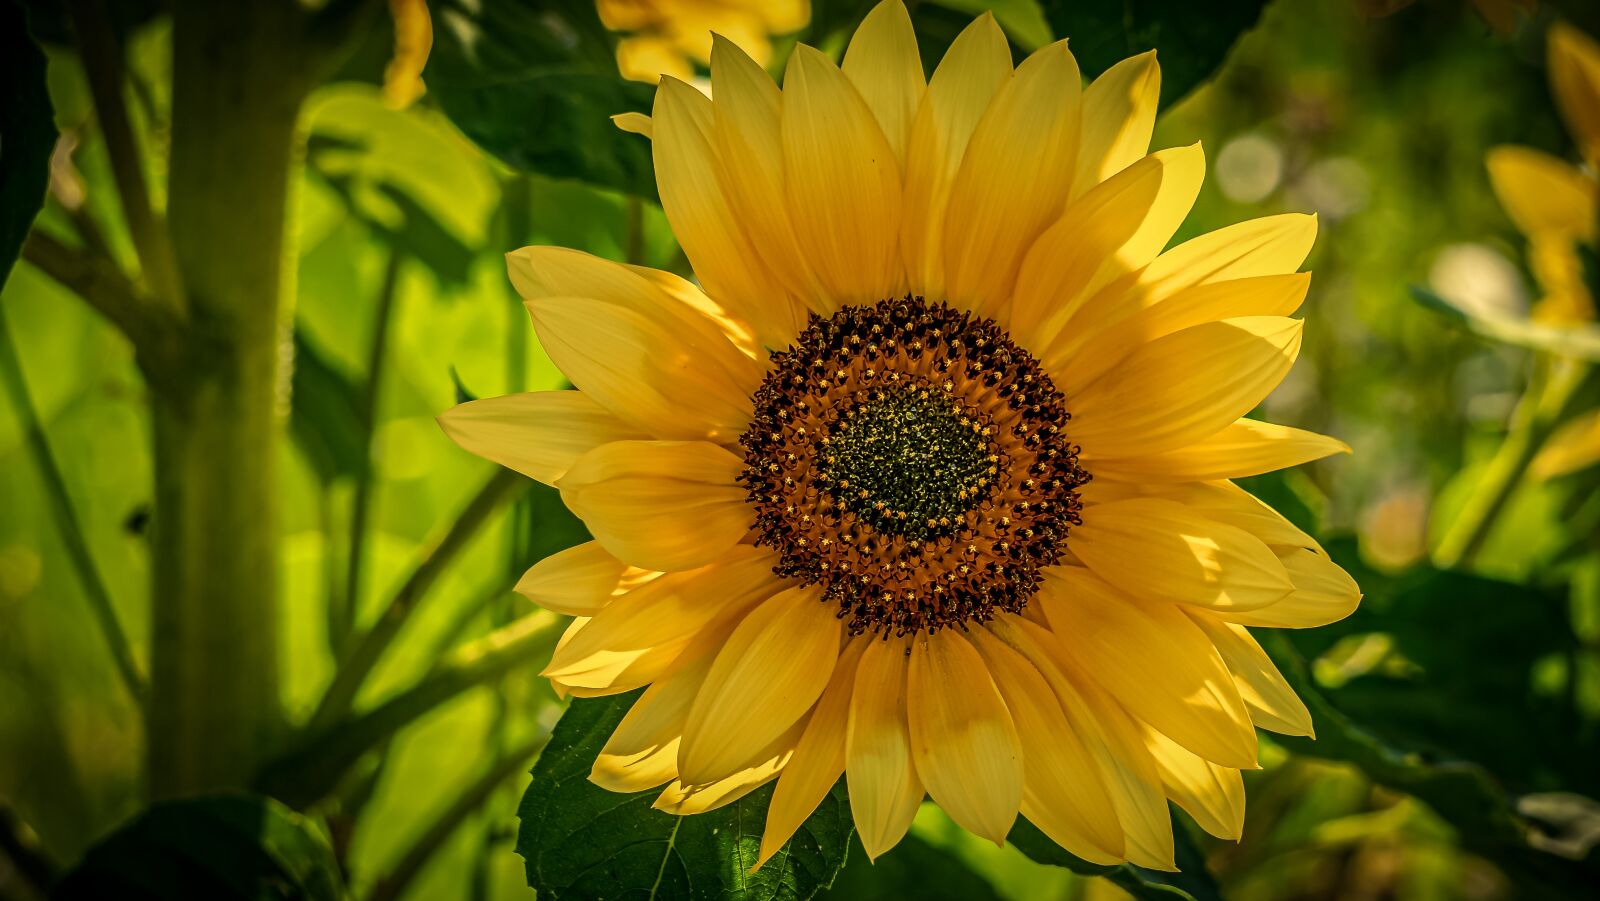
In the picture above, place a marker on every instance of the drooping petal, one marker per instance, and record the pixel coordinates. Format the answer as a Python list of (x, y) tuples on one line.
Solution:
[(1323, 593), (885, 790), (660, 505), (1014, 179), (1246, 448), (642, 751), (843, 184), (962, 736), (683, 799), (1153, 660), (704, 223), (884, 65), (666, 611), (1119, 113), (1271, 245), (538, 433), (1156, 549), (1542, 194), (1157, 403), (1575, 78), (579, 581), (1273, 704), (1212, 794), (1124, 762), (1062, 793), (770, 672), (819, 757), (973, 69)]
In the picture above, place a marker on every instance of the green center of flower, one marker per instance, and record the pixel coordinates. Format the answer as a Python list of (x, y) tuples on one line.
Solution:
[(908, 461)]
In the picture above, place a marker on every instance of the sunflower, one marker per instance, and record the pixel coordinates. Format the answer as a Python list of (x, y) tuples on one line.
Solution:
[(667, 36), (927, 482)]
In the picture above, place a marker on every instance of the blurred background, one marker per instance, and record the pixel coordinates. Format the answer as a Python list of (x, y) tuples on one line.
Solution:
[(1459, 708)]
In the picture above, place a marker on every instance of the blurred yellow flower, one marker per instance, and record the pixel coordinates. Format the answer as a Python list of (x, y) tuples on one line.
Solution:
[(1551, 201), (413, 40), (876, 551), (668, 36)]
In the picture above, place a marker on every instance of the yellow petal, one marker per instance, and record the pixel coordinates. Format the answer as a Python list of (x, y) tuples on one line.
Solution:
[(683, 799), (634, 123), (1062, 790), (665, 611), (1323, 593), (1157, 549), (1054, 280), (884, 65), (1119, 113), (770, 672), (843, 184), (1573, 447), (1575, 78), (818, 759), (1124, 762), (538, 433), (1273, 704), (1543, 195), (1212, 794), (1221, 502), (413, 39), (580, 581), (1153, 660), (973, 69), (881, 775), (1245, 448), (711, 235), (642, 751), (610, 672), (1271, 245), (962, 736), (1267, 295), (1153, 405), (750, 146), (661, 505), (1014, 179), (658, 363)]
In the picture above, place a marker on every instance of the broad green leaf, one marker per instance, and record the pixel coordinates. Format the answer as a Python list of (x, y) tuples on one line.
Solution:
[(912, 869), (1190, 39), (27, 133), (222, 848), (580, 841), (536, 85), (1580, 342), (1191, 883)]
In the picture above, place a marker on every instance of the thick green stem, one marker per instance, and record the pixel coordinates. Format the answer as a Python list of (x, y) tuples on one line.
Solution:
[(237, 88)]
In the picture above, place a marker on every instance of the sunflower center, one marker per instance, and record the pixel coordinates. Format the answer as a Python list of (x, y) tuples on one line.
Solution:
[(908, 461), (912, 461)]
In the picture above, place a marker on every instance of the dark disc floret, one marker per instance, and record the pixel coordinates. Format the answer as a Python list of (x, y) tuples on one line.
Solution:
[(912, 461)]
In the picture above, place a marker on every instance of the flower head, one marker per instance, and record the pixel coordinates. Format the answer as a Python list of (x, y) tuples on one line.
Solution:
[(927, 482), (666, 37), (1554, 203)]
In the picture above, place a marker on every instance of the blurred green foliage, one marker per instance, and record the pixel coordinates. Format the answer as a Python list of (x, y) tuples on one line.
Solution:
[(1458, 712)]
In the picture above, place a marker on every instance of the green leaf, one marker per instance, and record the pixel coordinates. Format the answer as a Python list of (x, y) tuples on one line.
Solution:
[(325, 419), (27, 133), (912, 869), (1580, 342), (581, 841), (536, 85), (1192, 882), (1190, 39), (222, 848)]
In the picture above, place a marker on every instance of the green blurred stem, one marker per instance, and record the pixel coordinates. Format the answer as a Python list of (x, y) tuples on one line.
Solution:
[(66, 518), (102, 58), (437, 555), (394, 883), (313, 768), (1537, 416), (361, 505)]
